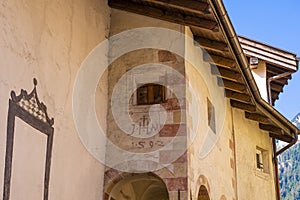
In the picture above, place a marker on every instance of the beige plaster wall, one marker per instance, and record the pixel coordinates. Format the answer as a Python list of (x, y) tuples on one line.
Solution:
[(213, 170), (28, 171), (252, 184), (49, 40), (260, 75)]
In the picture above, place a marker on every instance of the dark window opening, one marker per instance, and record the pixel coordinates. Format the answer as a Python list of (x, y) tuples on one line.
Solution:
[(150, 94), (262, 160), (259, 163)]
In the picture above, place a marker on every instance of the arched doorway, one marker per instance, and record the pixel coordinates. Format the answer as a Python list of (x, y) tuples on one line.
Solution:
[(203, 193), (139, 187)]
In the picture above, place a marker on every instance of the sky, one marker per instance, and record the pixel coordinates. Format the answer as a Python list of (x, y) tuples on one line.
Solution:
[(277, 23)]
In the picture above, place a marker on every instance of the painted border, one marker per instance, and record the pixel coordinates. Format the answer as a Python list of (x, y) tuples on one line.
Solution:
[(44, 126)]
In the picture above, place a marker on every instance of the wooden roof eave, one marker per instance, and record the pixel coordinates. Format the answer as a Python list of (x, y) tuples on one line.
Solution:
[(173, 11), (278, 62), (287, 129)]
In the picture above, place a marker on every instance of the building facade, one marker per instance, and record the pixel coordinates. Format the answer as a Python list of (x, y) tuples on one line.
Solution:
[(137, 100)]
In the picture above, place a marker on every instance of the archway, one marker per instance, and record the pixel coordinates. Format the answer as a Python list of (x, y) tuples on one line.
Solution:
[(139, 187), (203, 193)]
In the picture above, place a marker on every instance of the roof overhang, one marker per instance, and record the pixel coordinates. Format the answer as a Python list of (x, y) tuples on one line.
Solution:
[(275, 123), (280, 64)]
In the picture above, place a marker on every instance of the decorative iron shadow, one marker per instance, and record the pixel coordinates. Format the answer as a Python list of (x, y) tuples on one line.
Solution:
[(28, 108)]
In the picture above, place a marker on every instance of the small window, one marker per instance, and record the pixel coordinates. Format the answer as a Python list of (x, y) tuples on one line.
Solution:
[(259, 161), (262, 160), (150, 94), (211, 116)]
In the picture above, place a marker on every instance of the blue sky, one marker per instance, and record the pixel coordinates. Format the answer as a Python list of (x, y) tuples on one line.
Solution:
[(276, 23)]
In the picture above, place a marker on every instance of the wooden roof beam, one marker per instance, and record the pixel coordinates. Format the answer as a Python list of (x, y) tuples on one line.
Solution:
[(281, 81), (163, 13), (271, 128), (231, 85), (226, 73), (243, 106), (257, 117), (277, 69), (219, 60), (272, 73), (191, 6), (237, 96), (211, 44), (275, 95), (284, 138), (276, 87)]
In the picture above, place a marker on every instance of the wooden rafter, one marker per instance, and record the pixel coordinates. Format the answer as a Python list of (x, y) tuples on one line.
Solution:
[(276, 87), (275, 95), (243, 106), (231, 85), (257, 117), (219, 60), (197, 7), (271, 128), (272, 73), (226, 73), (277, 70), (164, 13), (281, 81), (237, 96), (211, 44), (287, 139)]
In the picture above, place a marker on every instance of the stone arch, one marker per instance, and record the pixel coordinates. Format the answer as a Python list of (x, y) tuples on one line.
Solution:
[(134, 186)]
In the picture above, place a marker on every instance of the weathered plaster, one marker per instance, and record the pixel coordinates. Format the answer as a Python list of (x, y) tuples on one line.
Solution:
[(49, 40)]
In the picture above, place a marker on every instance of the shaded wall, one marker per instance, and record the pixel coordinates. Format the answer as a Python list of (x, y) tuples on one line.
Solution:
[(251, 181)]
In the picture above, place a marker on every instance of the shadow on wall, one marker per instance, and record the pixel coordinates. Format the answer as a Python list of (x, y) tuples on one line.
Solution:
[(145, 186)]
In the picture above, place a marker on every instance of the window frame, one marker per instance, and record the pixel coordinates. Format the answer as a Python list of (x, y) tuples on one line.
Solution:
[(150, 95), (262, 160)]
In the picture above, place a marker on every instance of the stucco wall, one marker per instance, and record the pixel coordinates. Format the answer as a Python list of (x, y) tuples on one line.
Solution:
[(252, 183), (49, 40), (209, 154), (259, 73)]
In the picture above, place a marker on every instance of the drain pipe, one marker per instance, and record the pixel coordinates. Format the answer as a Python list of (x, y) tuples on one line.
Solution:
[(288, 146), (270, 102)]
